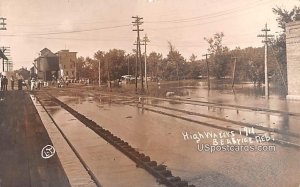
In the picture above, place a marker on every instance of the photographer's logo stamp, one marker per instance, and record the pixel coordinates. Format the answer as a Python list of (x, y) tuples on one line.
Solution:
[(48, 151)]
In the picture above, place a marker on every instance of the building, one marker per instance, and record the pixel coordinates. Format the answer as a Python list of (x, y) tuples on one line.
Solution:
[(49, 65), (67, 64), (23, 73), (46, 66), (293, 59)]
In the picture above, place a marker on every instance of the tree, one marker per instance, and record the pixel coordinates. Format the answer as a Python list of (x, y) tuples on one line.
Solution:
[(99, 57), (116, 64), (86, 67), (250, 64), (278, 46), (174, 64), (285, 16), (154, 61), (215, 43), (219, 54), (193, 58)]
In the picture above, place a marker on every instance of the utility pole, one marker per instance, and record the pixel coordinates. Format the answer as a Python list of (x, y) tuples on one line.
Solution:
[(108, 75), (3, 50), (136, 67), (75, 64), (2, 24), (99, 72), (137, 23), (233, 74), (266, 40), (128, 63), (2, 27), (6, 52), (146, 39), (177, 73), (207, 65), (139, 64)]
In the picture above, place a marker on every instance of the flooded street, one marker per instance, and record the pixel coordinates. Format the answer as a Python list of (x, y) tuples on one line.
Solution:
[(168, 136), (150, 93)]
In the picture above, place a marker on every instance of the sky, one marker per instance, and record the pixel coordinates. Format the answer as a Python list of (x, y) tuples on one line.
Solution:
[(86, 26)]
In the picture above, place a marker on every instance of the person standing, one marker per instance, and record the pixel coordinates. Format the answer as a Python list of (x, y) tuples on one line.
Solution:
[(12, 82), (1, 82), (1, 91), (5, 83), (32, 84)]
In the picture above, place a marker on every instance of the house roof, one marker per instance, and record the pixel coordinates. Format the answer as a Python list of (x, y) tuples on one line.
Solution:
[(47, 53), (3, 56)]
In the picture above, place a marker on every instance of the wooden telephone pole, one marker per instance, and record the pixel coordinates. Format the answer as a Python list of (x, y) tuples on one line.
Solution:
[(137, 23), (207, 65), (266, 41), (2, 27), (233, 73), (146, 39)]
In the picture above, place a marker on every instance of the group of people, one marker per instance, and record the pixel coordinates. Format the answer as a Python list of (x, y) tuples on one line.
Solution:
[(4, 83)]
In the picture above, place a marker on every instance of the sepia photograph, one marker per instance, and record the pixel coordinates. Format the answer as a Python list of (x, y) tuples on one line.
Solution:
[(150, 93)]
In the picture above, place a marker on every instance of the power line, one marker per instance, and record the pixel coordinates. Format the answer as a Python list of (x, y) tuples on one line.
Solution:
[(80, 22), (219, 14), (69, 32), (220, 17), (213, 15), (79, 39)]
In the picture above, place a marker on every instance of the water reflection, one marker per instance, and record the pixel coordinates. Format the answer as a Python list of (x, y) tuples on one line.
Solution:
[(242, 94)]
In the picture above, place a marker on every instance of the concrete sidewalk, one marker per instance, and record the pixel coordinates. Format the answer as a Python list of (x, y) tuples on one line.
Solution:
[(22, 138)]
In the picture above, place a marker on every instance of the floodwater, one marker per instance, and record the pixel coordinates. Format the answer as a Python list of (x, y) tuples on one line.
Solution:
[(164, 137), (110, 167)]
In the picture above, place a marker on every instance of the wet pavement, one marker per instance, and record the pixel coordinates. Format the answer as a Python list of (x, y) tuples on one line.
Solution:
[(22, 139), (162, 136), (76, 172), (109, 166)]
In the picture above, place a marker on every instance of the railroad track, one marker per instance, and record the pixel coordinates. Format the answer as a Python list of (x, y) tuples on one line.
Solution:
[(155, 108), (159, 171), (207, 103), (230, 106)]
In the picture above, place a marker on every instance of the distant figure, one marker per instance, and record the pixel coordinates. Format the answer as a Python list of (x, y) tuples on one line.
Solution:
[(20, 82), (12, 81), (140, 102), (1, 82), (32, 84), (5, 83), (38, 84), (1, 91)]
